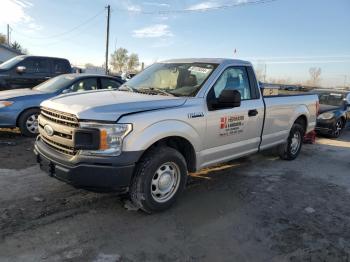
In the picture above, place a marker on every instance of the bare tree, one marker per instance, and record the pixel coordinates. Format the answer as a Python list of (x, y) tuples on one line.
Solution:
[(133, 62), (15, 45), (260, 71), (315, 75), (89, 65), (3, 39), (119, 59)]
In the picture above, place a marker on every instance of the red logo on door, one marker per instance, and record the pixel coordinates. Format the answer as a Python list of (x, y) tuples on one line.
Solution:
[(223, 122)]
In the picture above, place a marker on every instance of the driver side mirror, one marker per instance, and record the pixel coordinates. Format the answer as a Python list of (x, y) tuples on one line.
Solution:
[(20, 69), (228, 99), (346, 104)]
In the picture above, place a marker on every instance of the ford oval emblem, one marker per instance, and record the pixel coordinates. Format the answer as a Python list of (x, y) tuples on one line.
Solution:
[(49, 130)]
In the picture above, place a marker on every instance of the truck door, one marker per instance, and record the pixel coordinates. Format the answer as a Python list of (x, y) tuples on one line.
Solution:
[(37, 70), (233, 132)]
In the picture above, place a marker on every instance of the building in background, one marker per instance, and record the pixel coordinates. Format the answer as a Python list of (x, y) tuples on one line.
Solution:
[(7, 53)]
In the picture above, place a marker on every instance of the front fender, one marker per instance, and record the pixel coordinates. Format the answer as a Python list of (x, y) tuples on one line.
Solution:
[(143, 139)]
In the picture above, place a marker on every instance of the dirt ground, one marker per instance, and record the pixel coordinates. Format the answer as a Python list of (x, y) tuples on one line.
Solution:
[(259, 208)]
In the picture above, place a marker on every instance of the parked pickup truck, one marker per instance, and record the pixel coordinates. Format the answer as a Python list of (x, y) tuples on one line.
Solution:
[(27, 71), (173, 118)]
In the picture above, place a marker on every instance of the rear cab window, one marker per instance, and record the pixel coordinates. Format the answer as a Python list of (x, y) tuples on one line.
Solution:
[(60, 66)]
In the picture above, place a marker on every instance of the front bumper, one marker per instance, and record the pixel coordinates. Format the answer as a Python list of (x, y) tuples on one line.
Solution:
[(87, 171), (8, 117), (325, 126)]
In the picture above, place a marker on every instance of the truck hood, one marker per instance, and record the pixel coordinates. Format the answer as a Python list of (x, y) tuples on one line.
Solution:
[(108, 105), (15, 93)]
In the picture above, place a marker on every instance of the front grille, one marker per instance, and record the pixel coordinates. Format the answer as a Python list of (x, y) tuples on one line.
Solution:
[(59, 147), (63, 125), (60, 117)]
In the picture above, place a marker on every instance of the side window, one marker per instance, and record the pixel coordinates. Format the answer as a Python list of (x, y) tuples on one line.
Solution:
[(60, 67), (84, 85), (28, 64), (109, 83), (234, 78), (36, 65)]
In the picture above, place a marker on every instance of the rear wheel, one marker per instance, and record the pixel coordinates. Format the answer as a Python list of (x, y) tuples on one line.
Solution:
[(28, 122), (337, 128), (159, 179), (291, 149)]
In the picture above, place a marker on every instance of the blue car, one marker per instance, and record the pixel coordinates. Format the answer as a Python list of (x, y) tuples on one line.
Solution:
[(20, 107)]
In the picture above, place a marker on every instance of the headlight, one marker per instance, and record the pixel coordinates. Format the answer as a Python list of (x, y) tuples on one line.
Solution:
[(5, 103), (111, 138), (326, 115)]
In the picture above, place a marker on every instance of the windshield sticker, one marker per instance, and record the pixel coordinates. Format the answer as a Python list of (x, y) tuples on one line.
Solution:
[(198, 69), (231, 125)]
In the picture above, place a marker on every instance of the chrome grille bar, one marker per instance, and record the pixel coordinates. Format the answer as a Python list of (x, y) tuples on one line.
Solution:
[(63, 125)]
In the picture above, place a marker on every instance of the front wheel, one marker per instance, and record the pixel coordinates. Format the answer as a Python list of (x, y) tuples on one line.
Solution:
[(291, 149), (159, 179), (337, 128), (28, 122)]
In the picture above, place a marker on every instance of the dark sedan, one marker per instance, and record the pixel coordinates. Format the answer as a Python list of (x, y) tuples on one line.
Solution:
[(334, 113), (20, 107)]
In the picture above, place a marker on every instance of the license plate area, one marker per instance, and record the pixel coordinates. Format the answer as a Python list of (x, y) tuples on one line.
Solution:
[(47, 166)]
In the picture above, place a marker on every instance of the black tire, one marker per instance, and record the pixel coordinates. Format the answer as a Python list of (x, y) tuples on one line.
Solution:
[(22, 122), (338, 128), (287, 151), (142, 191)]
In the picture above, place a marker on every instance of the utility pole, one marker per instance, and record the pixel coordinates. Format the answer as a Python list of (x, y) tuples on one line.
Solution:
[(107, 37), (8, 34)]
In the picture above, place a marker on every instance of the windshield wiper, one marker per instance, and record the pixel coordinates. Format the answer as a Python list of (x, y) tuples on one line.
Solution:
[(156, 91)]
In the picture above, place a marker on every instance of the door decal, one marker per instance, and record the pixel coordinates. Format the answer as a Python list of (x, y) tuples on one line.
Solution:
[(231, 125)]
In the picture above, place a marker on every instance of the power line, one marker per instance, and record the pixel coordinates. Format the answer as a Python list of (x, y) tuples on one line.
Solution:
[(65, 38), (194, 10), (63, 33)]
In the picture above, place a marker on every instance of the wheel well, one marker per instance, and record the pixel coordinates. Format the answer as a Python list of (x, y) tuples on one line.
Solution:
[(183, 146), (18, 117), (343, 119), (302, 120)]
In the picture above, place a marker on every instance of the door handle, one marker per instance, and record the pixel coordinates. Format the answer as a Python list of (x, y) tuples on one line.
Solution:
[(252, 112)]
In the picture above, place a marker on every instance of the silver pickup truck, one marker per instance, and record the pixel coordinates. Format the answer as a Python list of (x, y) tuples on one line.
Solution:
[(175, 117)]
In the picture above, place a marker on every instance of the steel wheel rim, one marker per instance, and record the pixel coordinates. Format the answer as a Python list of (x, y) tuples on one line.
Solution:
[(165, 182), (338, 127), (32, 123), (295, 144)]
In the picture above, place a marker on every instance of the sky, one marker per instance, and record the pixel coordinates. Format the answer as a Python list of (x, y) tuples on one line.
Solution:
[(288, 36)]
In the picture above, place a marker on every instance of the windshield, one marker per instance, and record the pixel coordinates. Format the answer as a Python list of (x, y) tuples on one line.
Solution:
[(54, 84), (11, 62), (173, 79), (333, 99)]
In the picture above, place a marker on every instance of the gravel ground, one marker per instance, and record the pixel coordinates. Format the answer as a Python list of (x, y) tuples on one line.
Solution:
[(258, 208)]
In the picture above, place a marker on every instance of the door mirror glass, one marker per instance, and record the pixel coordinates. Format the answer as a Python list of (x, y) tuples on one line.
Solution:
[(229, 98), (21, 69)]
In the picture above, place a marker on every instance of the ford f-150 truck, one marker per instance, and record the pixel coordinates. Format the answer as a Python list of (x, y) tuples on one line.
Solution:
[(173, 118)]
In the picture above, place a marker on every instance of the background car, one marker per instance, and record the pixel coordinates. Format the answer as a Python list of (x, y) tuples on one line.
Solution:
[(334, 112), (21, 107), (28, 71)]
